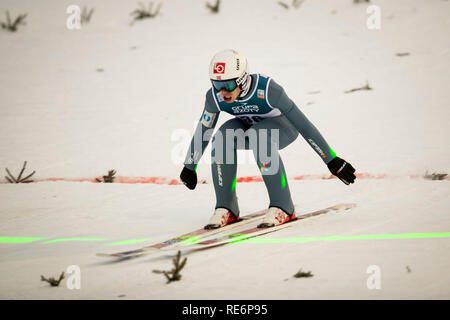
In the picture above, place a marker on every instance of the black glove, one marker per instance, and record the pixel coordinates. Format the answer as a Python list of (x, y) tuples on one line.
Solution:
[(189, 178), (342, 169)]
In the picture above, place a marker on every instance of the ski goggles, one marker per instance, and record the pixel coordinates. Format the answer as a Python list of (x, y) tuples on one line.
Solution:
[(227, 85)]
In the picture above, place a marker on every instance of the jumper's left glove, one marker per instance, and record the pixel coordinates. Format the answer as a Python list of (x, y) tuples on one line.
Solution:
[(342, 169)]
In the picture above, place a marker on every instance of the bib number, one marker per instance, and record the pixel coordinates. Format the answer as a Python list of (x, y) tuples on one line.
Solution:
[(251, 120)]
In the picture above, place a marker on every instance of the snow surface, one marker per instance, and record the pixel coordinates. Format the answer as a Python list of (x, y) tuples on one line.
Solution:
[(136, 116)]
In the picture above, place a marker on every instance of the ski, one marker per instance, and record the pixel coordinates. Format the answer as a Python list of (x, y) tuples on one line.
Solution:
[(191, 240), (254, 232), (185, 239)]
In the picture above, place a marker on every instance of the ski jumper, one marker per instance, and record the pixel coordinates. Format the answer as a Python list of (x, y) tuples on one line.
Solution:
[(266, 120)]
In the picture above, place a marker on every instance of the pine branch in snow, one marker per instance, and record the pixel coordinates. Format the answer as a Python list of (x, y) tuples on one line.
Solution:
[(174, 274), (108, 178), (86, 15), (52, 281), (295, 3), (284, 5), (12, 26), (302, 274), (144, 13), (434, 176), (11, 179), (214, 8), (366, 87)]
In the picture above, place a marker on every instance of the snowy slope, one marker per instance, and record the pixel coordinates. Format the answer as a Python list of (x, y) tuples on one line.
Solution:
[(69, 120)]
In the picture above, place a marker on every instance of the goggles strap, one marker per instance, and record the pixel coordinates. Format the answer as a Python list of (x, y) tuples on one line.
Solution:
[(247, 84)]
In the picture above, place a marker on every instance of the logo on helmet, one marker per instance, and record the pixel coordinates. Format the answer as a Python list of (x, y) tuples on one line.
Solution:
[(219, 67), (237, 64)]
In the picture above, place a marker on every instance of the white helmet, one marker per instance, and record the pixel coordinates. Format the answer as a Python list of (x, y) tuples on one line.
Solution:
[(228, 65)]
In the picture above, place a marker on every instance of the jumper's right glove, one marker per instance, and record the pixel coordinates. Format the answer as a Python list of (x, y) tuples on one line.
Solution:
[(342, 169), (189, 178)]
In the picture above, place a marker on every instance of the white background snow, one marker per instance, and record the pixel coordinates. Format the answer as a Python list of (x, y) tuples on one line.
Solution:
[(69, 120)]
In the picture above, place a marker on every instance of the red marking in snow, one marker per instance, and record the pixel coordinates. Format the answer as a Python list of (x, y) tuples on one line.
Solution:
[(66, 179), (378, 176), (154, 180), (250, 179), (172, 181)]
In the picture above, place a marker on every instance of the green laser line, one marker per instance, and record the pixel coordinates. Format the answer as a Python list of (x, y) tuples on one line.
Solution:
[(74, 239), (237, 238), (361, 237), (18, 239), (189, 239)]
